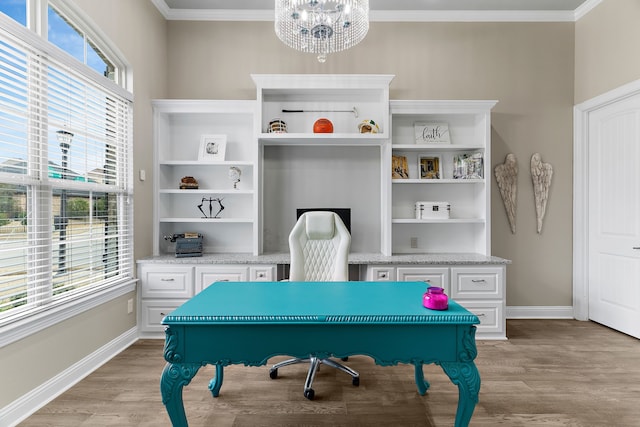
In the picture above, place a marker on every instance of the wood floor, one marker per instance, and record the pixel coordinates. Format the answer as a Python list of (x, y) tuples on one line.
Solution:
[(549, 373)]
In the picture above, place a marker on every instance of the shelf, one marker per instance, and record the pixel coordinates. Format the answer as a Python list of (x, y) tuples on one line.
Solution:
[(204, 163), (187, 192), (209, 220), (437, 181), (435, 147), (341, 139), (438, 221)]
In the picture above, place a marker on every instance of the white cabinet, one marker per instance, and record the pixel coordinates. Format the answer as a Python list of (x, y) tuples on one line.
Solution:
[(165, 286), (178, 129), (481, 290), (478, 288), (468, 227)]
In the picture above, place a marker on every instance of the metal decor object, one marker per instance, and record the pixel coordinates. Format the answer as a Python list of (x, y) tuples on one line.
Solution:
[(354, 110)]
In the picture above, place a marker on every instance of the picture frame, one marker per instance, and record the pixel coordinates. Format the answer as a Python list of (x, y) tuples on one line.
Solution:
[(399, 167), (212, 147), (468, 166), (429, 167), (432, 133)]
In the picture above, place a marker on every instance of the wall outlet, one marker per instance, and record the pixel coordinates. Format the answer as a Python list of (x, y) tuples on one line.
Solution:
[(414, 243), (130, 306)]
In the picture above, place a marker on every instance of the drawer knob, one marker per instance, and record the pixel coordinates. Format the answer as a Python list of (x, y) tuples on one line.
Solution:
[(260, 274), (170, 279), (383, 275), (480, 314), (478, 281)]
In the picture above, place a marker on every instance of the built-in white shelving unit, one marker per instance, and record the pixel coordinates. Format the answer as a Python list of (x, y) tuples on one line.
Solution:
[(282, 172), (178, 128), (302, 169), (468, 228)]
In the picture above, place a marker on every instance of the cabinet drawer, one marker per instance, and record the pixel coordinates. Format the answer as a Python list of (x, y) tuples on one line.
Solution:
[(153, 311), (262, 273), (166, 282), (481, 282), (381, 274), (205, 276), (434, 276), (491, 317)]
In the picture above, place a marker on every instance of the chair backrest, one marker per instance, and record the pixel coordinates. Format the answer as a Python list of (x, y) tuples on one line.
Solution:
[(319, 244)]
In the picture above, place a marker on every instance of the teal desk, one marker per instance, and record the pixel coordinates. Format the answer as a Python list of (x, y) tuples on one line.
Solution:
[(250, 322)]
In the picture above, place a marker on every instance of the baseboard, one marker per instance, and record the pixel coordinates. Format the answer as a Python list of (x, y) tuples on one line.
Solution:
[(26, 405), (539, 312)]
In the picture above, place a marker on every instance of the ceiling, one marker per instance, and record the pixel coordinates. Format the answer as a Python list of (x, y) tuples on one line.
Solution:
[(391, 10)]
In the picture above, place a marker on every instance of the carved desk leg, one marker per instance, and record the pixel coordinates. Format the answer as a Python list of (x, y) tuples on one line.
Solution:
[(423, 385), (174, 377), (216, 382), (465, 375)]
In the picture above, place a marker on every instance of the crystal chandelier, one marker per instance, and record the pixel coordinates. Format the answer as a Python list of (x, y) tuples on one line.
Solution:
[(322, 26)]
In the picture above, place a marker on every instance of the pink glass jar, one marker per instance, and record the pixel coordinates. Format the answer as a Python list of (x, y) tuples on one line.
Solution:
[(435, 298)]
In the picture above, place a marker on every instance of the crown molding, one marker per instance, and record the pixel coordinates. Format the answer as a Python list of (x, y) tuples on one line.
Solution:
[(585, 8), (390, 15)]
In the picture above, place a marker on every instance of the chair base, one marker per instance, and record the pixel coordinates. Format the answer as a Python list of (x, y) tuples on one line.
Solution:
[(315, 363)]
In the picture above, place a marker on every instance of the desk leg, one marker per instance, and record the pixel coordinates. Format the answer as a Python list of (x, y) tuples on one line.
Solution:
[(467, 378), (174, 377), (423, 385), (216, 382)]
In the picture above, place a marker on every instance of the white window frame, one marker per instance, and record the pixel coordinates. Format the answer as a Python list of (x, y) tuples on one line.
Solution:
[(13, 328)]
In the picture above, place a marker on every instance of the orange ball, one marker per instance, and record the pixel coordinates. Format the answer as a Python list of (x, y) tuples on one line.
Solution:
[(323, 126)]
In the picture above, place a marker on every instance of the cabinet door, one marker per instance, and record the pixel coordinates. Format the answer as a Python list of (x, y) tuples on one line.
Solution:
[(262, 273), (433, 276), (205, 276), (153, 311), (491, 315), (477, 282), (381, 274), (166, 281)]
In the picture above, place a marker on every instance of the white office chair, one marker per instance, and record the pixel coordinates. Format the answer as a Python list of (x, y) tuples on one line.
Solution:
[(319, 244)]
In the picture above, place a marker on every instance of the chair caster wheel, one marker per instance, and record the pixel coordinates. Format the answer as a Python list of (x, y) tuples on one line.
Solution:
[(273, 374), (355, 381), (309, 394)]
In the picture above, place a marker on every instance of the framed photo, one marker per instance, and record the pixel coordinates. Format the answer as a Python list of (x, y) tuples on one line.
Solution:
[(468, 166), (432, 133), (429, 167), (212, 147), (399, 167)]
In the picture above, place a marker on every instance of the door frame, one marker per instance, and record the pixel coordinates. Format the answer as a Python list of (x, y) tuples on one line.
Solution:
[(581, 114)]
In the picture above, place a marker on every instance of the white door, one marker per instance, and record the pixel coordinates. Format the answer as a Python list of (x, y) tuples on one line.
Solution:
[(614, 215)]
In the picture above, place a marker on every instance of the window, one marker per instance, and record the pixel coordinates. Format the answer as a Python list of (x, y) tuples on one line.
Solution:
[(16, 9), (66, 190), (72, 40)]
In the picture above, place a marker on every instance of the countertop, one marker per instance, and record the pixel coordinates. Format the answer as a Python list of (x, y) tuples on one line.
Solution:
[(354, 258)]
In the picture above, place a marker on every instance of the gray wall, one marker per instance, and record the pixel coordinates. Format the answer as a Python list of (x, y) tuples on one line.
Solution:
[(528, 67)]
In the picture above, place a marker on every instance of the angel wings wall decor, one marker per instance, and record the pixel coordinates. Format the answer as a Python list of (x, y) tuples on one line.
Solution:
[(541, 174), (507, 178)]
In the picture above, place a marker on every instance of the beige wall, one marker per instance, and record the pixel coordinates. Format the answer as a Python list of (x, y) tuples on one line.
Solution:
[(139, 32), (528, 67), (607, 48)]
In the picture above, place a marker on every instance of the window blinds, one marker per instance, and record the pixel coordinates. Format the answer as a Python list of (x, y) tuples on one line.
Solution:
[(66, 190)]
